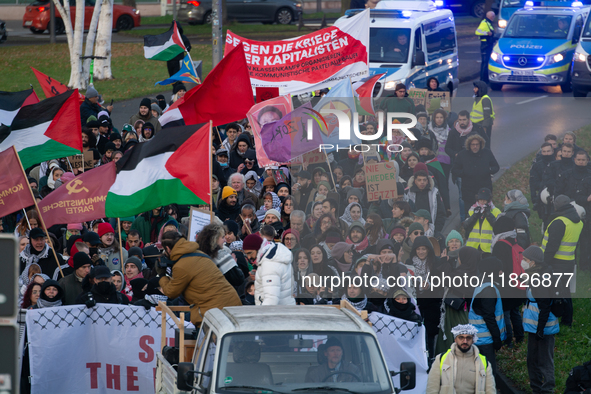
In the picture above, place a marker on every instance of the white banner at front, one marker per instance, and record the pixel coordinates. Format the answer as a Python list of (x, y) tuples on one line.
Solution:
[(402, 341), (105, 349)]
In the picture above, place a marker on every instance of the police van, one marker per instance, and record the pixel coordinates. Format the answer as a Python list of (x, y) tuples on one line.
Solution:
[(581, 66), (412, 41), (537, 46)]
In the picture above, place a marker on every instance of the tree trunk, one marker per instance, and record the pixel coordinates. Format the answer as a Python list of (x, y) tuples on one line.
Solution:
[(76, 78), (90, 41), (102, 68), (67, 21)]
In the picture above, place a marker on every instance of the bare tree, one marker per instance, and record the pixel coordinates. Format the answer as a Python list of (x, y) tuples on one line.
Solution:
[(90, 41), (75, 39), (102, 68)]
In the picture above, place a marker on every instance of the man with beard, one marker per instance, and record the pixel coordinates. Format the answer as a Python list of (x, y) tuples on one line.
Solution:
[(228, 209), (89, 144), (536, 174), (303, 191), (145, 114), (462, 369), (103, 291), (38, 251)]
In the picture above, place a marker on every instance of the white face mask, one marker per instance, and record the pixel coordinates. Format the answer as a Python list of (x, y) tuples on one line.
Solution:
[(524, 265)]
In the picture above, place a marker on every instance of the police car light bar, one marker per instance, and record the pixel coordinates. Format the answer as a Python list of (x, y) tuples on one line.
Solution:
[(529, 3), (438, 3)]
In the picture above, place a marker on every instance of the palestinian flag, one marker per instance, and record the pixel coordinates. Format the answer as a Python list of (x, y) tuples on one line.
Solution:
[(11, 103), (165, 46), (47, 130), (435, 164), (364, 94), (172, 167)]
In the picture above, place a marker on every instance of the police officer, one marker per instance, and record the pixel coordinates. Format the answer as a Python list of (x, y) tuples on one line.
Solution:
[(562, 27), (485, 32), (559, 245), (486, 312)]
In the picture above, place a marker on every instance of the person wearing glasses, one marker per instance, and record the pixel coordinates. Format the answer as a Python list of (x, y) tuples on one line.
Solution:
[(291, 239)]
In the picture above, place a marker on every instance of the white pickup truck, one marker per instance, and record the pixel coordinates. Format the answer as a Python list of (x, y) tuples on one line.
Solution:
[(283, 349)]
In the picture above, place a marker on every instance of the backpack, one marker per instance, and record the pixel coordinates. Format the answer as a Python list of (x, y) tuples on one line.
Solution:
[(579, 379), (517, 254), (558, 306)]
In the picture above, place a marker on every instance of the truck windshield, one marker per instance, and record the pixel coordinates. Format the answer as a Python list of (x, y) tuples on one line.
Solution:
[(587, 29), (513, 3), (388, 45), (292, 362), (538, 26)]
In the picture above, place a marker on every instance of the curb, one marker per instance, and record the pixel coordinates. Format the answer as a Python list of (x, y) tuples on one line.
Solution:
[(505, 386)]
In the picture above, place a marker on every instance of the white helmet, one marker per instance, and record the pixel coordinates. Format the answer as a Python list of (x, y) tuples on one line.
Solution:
[(544, 196), (580, 210)]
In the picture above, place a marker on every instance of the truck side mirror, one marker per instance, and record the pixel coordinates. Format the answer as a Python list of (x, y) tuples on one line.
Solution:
[(408, 376), (419, 59), (185, 377)]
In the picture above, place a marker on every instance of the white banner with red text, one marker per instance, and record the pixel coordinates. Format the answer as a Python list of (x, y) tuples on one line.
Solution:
[(105, 349), (310, 62)]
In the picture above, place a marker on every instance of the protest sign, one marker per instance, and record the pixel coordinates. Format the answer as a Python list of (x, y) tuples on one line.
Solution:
[(89, 159), (76, 162), (198, 219), (312, 61), (104, 349), (402, 341), (436, 100), (314, 157), (380, 180), (418, 96)]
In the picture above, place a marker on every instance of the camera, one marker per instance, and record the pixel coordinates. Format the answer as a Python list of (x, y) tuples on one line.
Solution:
[(163, 262)]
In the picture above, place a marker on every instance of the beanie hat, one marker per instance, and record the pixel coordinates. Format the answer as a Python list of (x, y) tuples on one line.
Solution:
[(400, 86), (503, 225), (91, 92), (295, 233), (561, 201), (232, 227), (75, 226), (252, 242), (333, 341), (92, 238), (110, 146), (104, 228), (484, 194), (100, 271), (422, 114), (104, 121), (398, 230), (156, 107), (400, 292), (146, 103), (148, 125), (227, 192), (161, 101), (332, 237), (423, 213), (453, 234), (135, 251), (178, 87), (534, 253), (419, 167), (304, 174), (273, 212), (67, 177), (414, 227), (269, 181), (93, 124), (424, 143), (114, 137), (81, 259), (36, 233), (128, 219), (134, 260)]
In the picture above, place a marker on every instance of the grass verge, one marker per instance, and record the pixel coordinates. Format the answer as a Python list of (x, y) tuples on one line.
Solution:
[(573, 344), (246, 29), (134, 75), (160, 20)]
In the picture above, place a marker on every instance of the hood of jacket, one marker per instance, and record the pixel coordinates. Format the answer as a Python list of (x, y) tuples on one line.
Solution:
[(422, 240), (413, 188), (277, 253), (183, 247), (482, 88), (568, 212), (429, 83), (242, 137)]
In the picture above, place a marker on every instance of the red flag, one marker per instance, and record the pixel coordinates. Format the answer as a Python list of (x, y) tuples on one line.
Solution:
[(14, 187), (51, 87), (365, 93), (80, 200), (266, 93), (224, 96)]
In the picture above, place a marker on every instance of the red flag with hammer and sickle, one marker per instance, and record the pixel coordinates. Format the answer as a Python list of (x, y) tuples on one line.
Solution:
[(80, 200)]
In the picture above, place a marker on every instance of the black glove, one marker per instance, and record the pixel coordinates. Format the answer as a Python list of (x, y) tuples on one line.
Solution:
[(90, 302), (477, 210), (161, 271), (539, 336), (497, 344)]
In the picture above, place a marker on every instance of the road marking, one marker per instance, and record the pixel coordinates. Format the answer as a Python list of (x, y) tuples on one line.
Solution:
[(530, 100)]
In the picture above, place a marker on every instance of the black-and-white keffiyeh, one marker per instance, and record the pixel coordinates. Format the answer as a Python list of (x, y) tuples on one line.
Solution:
[(154, 298), (30, 259), (506, 234), (359, 305)]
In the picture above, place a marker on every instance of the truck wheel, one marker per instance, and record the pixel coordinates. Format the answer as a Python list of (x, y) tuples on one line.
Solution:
[(477, 9), (496, 86)]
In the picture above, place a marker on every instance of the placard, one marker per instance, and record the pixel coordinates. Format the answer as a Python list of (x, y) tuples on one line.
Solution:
[(380, 181), (436, 100), (198, 219), (89, 159), (77, 162), (418, 96)]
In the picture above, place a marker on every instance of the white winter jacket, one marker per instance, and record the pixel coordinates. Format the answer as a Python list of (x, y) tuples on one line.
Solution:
[(274, 277)]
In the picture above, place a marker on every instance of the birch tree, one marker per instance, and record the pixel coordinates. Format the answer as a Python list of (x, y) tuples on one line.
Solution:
[(90, 38), (102, 68)]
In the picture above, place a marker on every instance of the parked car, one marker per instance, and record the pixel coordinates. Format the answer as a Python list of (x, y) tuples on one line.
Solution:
[(36, 17), (2, 31), (472, 7), (267, 11)]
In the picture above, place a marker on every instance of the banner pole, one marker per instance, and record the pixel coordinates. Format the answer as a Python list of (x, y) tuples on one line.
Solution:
[(26, 217), (70, 164), (211, 170), (39, 212), (120, 242)]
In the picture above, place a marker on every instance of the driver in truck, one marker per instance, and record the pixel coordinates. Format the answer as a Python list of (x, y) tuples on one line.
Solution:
[(401, 44), (334, 368)]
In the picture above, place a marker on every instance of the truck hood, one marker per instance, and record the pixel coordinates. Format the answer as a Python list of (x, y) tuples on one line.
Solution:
[(530, 46)]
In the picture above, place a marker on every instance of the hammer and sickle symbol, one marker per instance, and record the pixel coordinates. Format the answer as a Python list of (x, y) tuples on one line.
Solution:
[(72, 187)]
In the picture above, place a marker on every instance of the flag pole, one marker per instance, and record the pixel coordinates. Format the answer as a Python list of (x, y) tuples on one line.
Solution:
[(211, 171), (27, 218), (120, 242), (39, 212), (330, 169)]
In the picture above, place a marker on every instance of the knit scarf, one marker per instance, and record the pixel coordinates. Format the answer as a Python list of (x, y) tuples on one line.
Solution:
[(41, 303), (441, 132), (359, 305), (498, 237), (361, 246), (515, 205), (466, 131)]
